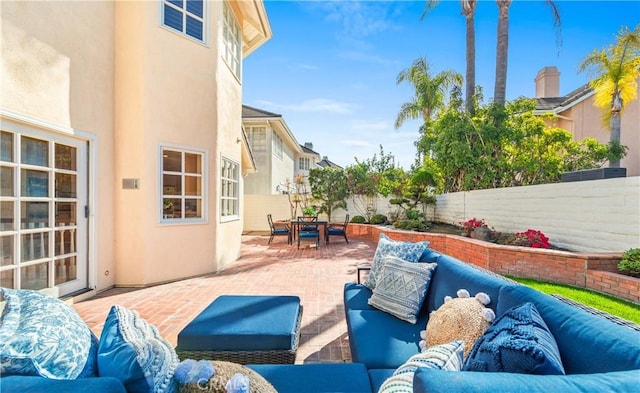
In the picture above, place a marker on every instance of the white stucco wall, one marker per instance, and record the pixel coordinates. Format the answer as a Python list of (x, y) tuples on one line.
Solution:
[(598, 215), (589, 216)]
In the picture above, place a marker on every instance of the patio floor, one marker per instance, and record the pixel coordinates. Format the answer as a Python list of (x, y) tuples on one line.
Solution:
[(316, 276)]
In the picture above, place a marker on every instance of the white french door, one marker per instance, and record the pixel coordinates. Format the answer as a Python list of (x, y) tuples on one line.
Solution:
[(43, 197)]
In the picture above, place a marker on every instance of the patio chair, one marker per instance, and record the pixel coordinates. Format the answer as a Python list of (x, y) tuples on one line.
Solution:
[(279, 229), (334, 229), (308, 228)]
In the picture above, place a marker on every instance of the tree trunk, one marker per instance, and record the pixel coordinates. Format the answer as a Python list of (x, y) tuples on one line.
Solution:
[(614, 137), (468, 9), (499, 92)]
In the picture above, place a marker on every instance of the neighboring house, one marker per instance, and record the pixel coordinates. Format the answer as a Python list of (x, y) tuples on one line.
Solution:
[(123, 155), (278, 156), (576, 113), (326, 163)]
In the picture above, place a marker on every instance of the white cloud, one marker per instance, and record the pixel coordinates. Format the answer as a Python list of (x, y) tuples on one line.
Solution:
[(356, 143), (371, 125), (313, 105)]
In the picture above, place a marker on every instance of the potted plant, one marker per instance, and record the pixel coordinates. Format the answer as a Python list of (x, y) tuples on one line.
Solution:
[(309, 211)]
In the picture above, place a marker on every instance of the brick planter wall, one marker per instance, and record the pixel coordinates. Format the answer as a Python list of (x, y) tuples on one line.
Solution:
[(595, 271)]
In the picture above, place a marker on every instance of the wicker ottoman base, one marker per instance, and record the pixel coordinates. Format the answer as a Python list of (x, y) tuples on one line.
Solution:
[(279, 356)]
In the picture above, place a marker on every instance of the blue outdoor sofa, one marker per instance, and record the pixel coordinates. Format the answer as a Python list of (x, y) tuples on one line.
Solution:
[(597, 355)]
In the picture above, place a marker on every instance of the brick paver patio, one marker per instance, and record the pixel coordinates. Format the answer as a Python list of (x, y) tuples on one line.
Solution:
[(316, 276)]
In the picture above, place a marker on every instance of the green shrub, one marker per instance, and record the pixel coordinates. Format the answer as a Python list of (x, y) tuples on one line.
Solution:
[(358, 220), (630, 262), (378, 219), (419, 225), (414, 214)]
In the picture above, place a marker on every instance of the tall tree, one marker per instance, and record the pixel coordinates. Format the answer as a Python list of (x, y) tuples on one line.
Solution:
[(468, 10), (615, 71), (502, 49), (329, 188), (429, 91)]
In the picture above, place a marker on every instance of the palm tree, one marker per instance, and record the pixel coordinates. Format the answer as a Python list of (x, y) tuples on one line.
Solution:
[(615, 72), (468, 10), (500, 89), (430, 91)]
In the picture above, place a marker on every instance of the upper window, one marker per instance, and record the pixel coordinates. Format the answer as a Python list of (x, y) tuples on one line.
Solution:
[(277, 145), (232, 52), (182, 185), (303, 163), (229, 196), (258, 138), (185, 16)]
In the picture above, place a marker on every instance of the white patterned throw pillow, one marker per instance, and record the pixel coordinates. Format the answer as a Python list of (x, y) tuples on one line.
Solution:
[(43, 336), (401, 288), (408, 251), (441, 357)]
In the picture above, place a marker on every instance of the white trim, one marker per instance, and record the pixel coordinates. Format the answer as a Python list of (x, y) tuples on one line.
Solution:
[(15, 121), (561, 109), (205, 186), (205, 24), (232, 217)]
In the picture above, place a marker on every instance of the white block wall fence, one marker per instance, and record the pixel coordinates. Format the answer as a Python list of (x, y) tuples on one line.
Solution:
[(587, 216)]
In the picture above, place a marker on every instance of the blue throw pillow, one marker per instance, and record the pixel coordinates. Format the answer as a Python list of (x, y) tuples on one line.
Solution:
[(133, 351), (408, 251), (401, 288), (41, 335), (519, 341)]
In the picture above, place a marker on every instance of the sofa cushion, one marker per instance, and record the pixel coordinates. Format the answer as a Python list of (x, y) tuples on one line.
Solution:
[(518, 341), (356, 297), (377, 376), (133, 351), (42, 335), (401, 288), (441, 357), (429, 256), (32, 384), (453, 274), (380, 340), (582, 338), (434, 381), (407, 251), (315, 378)]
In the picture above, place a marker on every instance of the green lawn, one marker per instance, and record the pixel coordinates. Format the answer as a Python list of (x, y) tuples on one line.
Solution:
[(609, 304)]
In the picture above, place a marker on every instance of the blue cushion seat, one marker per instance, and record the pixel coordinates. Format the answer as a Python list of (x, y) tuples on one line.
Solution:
[(315, 378), (243, 323), (32, 384)]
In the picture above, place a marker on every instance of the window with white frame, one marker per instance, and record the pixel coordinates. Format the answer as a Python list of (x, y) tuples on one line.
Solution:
[(277, 146), (182, 185), (185, 16), (232, 39), (229, 196), (258, 138), (303, 163)]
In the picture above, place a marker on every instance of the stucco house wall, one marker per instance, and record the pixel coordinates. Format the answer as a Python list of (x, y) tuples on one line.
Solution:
[(57, 77), (110, 73)]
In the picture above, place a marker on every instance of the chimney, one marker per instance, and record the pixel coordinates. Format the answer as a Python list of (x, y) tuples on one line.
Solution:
[(308, 145), (548, 82), (325, 158)]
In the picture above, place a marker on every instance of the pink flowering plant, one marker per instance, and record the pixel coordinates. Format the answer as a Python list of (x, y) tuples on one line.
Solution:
[(471, 224), (531, 238)]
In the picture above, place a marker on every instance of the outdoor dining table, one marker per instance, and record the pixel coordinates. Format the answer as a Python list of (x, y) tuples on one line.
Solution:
[(294, 225)]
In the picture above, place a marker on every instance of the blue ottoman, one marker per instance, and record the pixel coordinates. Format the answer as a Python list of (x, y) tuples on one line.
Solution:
[(244, 329)]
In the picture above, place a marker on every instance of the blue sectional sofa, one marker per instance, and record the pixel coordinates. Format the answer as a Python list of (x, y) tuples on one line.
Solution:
[(598, 355)]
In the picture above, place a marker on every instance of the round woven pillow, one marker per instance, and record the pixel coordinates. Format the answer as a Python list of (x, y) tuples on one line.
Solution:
[(224, 371), (457, 319)]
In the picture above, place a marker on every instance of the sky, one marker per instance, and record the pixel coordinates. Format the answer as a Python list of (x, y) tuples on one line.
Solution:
[(330, 68)]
